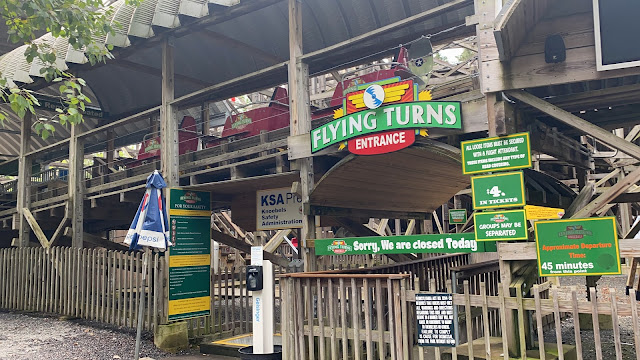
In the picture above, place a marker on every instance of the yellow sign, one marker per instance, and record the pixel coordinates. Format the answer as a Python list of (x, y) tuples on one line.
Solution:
[(190, 260), (190, 305), (543, 213)]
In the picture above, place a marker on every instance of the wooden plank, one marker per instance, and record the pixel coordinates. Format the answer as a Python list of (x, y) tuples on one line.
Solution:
[(343, 318), (168, 125), (636, 323), (355, 324), (33, 223), (503, 321), (76, 186), (576, 323), (467, 315), (381, 345), (399, 329), (367, 319), (616, 325), (276, 240), (320, 308), (557, 323), (536, 295), (485, 320), (23, 186)]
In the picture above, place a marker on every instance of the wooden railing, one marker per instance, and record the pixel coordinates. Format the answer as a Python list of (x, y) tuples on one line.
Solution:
[(353, 316), (94, 284)]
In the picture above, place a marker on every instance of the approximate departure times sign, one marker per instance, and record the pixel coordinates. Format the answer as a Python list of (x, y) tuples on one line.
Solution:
[(435, 314)]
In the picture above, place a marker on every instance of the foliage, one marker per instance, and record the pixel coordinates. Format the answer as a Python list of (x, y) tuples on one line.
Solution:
[(465, 55), (79, 21)]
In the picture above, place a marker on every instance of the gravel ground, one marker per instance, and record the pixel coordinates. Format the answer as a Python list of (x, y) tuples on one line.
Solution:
[(588, 344), (35, 336)]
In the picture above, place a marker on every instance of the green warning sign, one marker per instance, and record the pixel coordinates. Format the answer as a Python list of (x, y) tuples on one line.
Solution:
[(457, 216), (496, 154), (500, 225)]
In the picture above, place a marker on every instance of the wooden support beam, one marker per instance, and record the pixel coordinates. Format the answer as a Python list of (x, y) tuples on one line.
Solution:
[(514, 22), (244, 247), (24, 181), (76, 185), (276, 240), (620, 187), (168, 123), (300, 123), (578, 123), (61, 228), (110, 149), (360, 213), (33, 223)]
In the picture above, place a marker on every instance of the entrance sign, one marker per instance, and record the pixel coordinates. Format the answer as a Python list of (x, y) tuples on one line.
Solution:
[(577, 247), (457, 216), (496, 154), (543, 213), (498, 190), (190, 257), (382, 143), (435, 316), (384, 116), (500, 225), (278, 209), (428, 243), (412, 115)]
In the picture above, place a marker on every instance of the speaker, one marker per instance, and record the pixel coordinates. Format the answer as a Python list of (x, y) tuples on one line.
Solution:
[(554, 49)]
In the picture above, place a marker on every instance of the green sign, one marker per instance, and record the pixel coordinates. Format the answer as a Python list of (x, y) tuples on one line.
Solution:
[(190, 256), (498, 191), (408, 244), (457, 216), (500, 225), (496, 154), (410, 115), (577, 247)]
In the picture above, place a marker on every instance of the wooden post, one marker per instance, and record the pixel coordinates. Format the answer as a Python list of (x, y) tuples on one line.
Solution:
[(168, 123), (110, 149), (300, 123), (76, 186), (24, 181)]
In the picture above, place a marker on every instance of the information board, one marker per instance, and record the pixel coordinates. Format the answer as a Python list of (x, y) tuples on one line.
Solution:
[(190, 257), (407, 244), (500, 225), (457, 216), (435, 316), (577, 247), (278, 209), (496, 154), (498, 190)]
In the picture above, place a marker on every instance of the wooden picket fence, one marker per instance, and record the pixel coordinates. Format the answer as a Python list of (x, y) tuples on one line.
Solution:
[(94, 284), (357, 316)]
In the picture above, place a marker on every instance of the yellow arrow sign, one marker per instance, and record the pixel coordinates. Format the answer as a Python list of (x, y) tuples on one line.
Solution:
[(543, 213)]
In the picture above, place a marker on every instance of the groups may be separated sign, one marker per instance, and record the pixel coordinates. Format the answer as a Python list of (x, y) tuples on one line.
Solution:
[(278, 209)]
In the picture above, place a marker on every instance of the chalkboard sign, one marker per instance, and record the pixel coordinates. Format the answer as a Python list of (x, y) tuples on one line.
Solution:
[(435, 316), (616, 29)]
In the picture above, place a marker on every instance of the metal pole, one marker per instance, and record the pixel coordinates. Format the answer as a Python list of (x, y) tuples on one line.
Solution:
[(141, 306)]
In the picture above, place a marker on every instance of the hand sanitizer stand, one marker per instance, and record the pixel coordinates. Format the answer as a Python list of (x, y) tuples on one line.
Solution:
[(260, 275)]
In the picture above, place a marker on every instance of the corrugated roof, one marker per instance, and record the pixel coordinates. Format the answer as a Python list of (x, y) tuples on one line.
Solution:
[(215, 43)]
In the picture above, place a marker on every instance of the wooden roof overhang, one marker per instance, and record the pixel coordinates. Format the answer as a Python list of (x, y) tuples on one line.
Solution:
[(414, 180)]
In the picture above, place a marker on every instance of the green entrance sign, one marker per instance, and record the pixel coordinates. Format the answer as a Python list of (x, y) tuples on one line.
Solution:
[(498, 191), (411, 115), (190, 257), (500, 225), (496, 154), (457, 216), (408, 244), (577, 247)]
